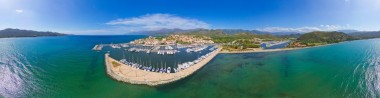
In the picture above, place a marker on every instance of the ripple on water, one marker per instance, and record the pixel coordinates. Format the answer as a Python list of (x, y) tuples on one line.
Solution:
[(16, 73), (347, 70)]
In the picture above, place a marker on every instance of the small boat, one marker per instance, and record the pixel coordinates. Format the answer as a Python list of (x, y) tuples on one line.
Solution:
[(157, 69), (168, 70)]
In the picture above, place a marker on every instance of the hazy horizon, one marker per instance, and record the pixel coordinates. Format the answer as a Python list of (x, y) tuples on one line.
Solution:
[(122, 17)]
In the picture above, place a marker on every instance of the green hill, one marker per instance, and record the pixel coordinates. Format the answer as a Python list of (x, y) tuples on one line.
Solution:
[(220, 36), (26, 33), (320, 38)]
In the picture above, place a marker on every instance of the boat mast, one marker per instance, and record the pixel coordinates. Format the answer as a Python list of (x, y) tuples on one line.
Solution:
[(142, 63), (123, 54), (161, 65), (132, 59), (165, 66), (129, 59)]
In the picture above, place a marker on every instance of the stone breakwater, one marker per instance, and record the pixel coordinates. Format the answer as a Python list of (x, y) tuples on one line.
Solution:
[(128, 74)]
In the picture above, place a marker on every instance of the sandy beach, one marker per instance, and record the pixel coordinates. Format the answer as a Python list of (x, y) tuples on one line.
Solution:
[(128, 74), (261, 50), (272, 50)]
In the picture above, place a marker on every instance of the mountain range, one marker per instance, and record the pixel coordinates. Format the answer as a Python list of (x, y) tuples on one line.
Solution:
[(172, 31), (9, 32)]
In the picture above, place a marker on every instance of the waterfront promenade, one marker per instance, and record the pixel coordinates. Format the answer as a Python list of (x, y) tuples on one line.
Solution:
[(128, 74)]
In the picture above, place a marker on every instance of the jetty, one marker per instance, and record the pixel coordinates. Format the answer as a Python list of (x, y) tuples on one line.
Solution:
[(126, 73), (98, 47)]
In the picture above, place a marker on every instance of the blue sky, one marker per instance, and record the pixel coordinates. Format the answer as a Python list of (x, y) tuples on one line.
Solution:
[(120, 17)]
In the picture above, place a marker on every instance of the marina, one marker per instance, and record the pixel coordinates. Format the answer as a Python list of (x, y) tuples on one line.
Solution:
[(196, 49), (274, 43), (138, 64), (159, 49), (154, 62), (135, 73), (98, 47)]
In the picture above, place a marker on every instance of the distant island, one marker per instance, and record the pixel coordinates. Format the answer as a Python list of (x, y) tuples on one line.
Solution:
[(9, 32)]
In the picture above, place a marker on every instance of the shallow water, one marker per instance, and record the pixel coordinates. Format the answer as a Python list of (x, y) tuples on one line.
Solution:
[(66, 67)]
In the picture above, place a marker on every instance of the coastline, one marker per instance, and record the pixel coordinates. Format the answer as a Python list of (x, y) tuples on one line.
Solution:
[(274, 50), (124, 73), (254, 51), (128, 74), (32, 37)]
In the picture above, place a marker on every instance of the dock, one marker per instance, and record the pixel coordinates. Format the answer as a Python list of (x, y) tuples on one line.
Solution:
[(128, 74), (98, 47)]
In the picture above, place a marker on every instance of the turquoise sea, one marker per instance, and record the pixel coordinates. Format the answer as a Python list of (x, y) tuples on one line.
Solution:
[(67, 67)]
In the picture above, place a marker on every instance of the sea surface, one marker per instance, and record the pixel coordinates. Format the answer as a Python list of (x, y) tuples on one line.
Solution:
[(46, 67)]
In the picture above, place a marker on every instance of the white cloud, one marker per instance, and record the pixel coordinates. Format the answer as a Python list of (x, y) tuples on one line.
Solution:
[(19, 11), (332, 27), (91, 32), (283, 29), (159, 21), (103, 31), (306, 29), (149, 22)]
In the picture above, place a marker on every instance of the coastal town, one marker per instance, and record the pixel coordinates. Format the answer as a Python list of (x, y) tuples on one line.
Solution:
[(173, 40), (135, 71), (169, 44), (163, 45), (132, 69), (201, 49)]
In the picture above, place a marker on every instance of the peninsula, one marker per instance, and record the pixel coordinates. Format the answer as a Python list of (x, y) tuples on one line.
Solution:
[(7, 33), (319, 38)]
